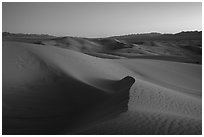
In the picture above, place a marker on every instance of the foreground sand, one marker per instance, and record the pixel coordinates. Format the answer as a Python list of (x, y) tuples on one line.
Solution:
[(49, 90)]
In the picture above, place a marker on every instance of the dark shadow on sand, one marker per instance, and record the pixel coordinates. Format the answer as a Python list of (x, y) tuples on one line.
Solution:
[(61, 105)]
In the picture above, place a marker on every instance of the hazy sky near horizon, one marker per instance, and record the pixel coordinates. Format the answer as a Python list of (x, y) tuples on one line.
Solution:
[(100, 19)]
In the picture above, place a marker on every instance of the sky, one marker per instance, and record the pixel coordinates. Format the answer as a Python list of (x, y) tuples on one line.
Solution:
[(100, 19)]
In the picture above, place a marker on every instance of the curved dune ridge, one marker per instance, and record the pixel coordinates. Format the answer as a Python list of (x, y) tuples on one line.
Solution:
[(50, 90)]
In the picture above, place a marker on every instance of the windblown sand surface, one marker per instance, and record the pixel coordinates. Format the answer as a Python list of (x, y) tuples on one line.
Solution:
[(51, 90)]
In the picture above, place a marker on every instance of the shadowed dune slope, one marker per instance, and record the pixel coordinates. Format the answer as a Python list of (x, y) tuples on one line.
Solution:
[(50, 90)]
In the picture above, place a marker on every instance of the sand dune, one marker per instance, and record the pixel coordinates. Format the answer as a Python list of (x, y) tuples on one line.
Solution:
[(49, 83), (51, 90)]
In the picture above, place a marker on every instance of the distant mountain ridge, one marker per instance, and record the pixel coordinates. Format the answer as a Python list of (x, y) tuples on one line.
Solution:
[(190, 35), (4, 34), (152, 35), (30, 38)]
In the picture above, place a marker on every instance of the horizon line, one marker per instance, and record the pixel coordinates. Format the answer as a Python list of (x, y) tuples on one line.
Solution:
[(103, 36)]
